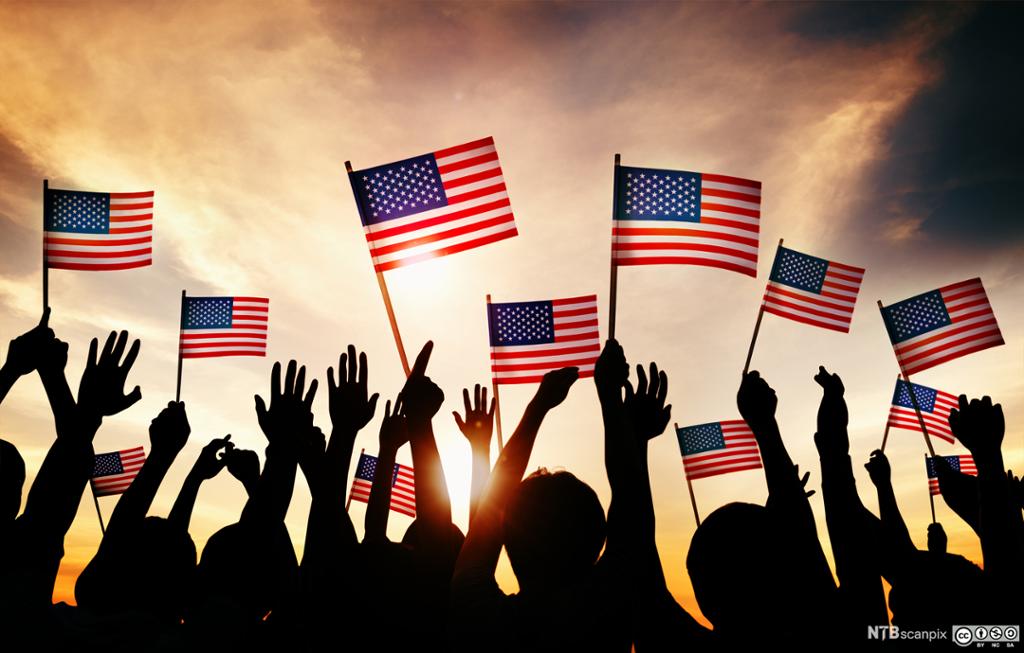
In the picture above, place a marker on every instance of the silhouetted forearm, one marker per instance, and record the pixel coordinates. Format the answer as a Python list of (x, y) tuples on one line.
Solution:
[(481, 473), (62, 402), (433, 505), (1002, 528), (896, 543), (378, 508), (133, 505), (960, 492), (269, 502), (181, 512)]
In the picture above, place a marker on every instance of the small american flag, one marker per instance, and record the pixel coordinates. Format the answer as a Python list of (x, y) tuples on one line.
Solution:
[(529, 339), (718, 448), (112, 473), (812, 290), (433, 205), (941, 325), (224, 326), (934, 404), (97, 231), (673, 216), (403, 485), (962, 464)]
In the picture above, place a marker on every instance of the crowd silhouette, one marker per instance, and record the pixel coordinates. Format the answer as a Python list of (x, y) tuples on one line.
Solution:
[(590, 579)]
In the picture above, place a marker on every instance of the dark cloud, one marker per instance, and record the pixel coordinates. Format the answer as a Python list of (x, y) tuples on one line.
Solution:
[(954, 166)]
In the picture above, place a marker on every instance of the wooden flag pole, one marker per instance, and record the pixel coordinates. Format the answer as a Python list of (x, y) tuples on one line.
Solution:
[(613, 286), (913, 396), (380, 281), (46, 267), (181, 323), (689, 488), (885, 436), (757, 328), (103, 529), (494, 384), (931, 497), (349, 502)]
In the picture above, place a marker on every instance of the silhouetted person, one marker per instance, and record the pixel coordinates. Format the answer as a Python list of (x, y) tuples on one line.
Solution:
[(477, 426)]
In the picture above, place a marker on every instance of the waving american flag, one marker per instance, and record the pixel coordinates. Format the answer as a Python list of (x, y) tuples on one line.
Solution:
[(812, 290), (97, 231)]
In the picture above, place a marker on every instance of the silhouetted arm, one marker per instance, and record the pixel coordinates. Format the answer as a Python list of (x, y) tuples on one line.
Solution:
[(895, 545), (421, 399), (168, 433), (980, 426), (473, 582), (393, 434), (477, 426), (287, 423), (207, 465), (852, 528), (960, 492)]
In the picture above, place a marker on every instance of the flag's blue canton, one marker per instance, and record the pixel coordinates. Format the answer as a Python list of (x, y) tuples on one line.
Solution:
[(652, 194), (954, 462), (798, 270), (700, 438), (74, 211), (107, 464), (521, 323), (399, 189), (914, 316), (208, 313), (925, 396), (367, 469)]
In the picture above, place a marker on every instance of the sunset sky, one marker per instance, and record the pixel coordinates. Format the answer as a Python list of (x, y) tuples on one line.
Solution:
[(885, 136)]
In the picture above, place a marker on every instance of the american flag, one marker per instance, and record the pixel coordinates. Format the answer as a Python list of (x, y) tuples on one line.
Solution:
[(403, 485), (433, 205), (672, 216), (97, 231), (941, 325), (812, 290), (224, 326), (113, 472), (962, 464), (718, 448), (934, 404), (529, 339)]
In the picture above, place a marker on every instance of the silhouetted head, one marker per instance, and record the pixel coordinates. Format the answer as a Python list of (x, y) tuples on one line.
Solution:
[(738, 564), (246, 572), (939, 589), (554, 529), (12, 480), (456, 537), (148, 568)]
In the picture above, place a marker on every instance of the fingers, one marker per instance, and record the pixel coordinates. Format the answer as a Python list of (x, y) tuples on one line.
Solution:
[(465, 400), (490, 411), (373, 403), (641, 380), (387, 409), (93, 345), (364, 370), (44, 321), (261, 409), (275, 381), (108, 346), (133, 353), (476, 397), (483, 397), (122, 342), (331, 385), (419, 368), (308, 401), (662, 387), (629, 390), (458, 420), (353, 366), (130, 400), (289, 379)]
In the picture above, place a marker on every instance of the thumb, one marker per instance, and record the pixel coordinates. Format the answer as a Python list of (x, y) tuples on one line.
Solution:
[(458, 420)]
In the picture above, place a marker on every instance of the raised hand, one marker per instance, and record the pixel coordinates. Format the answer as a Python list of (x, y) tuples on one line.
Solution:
[(351, 408), (479, 420), (980, 426), (646, 407), (832, 413), (611, 372), (244, 465), (554, 387), (101, 391), (209, 463), (937, 539), (879, 469), (291, 408), (421, 396), (26, 351), (394, 430), (169, 431), (756, 400)]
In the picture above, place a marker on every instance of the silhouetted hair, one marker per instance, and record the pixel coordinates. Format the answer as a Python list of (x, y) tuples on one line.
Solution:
[(554, 528), (148, 568), (12, 480), (738, 567)]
